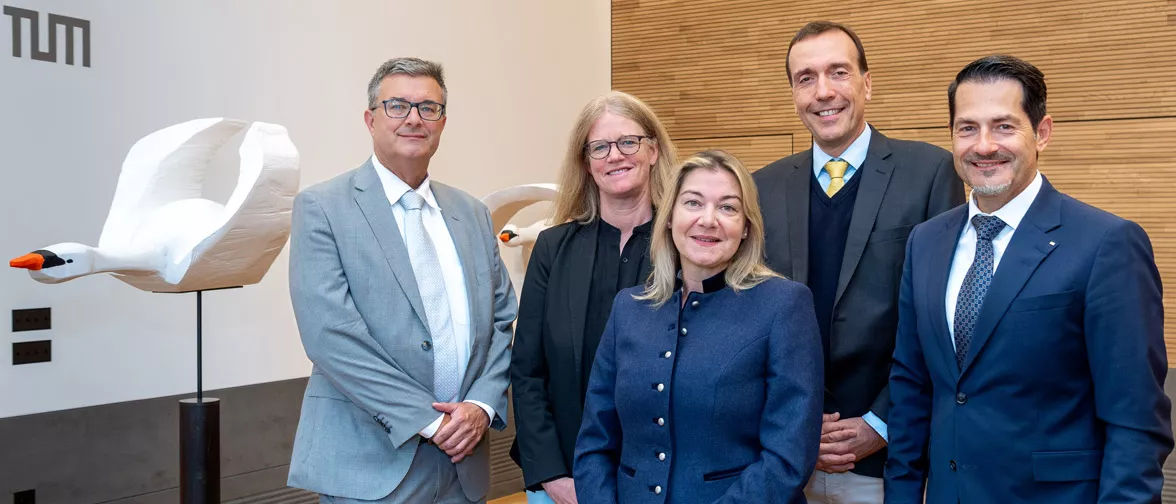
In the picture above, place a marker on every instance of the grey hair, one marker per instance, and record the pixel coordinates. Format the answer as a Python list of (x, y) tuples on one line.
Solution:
[(413, 67)]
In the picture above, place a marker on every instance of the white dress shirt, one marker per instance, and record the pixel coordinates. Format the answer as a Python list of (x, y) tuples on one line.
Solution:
[(965, 253), (451, 268)]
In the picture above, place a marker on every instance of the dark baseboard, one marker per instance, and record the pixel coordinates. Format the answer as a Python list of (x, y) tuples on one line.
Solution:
[(264, 486), (129, 452)]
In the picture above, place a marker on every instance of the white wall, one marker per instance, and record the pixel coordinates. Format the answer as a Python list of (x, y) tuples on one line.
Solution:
[(518, 71)]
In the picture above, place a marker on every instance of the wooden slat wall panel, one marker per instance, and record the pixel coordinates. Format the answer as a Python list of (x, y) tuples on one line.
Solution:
[(936, 136), (714, 71), (754, 152), (1125, 167)]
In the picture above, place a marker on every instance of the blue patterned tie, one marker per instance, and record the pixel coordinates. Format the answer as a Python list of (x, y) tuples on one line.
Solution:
[(427, 270), (976, 283)]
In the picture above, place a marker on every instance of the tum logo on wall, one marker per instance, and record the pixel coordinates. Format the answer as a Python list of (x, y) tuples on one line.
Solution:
[(55, 20)]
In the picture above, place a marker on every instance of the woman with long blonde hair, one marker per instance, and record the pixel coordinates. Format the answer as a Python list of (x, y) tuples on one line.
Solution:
[(708, 383), (614, 171)]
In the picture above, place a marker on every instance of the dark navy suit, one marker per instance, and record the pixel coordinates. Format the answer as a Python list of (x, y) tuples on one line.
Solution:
[(728, 388), (1060, 398)]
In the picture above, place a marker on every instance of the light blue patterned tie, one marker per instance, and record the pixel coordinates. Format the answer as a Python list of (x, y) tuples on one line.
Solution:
[(427, 270), (976, 283)]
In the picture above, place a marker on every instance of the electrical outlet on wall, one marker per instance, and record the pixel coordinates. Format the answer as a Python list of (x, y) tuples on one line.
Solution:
[(31, 352), (34, 319)]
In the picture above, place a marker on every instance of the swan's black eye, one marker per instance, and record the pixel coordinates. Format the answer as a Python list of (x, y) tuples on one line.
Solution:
[(67, 261)]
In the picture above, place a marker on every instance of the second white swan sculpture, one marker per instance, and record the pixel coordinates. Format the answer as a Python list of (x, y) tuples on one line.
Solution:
[(515, 244)]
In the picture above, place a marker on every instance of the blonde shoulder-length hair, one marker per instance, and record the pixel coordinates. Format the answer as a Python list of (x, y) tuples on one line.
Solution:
[(579, 197), (746, 269)]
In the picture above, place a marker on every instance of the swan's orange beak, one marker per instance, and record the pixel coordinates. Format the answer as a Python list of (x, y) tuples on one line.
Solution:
[(505, 236), (32, 261)]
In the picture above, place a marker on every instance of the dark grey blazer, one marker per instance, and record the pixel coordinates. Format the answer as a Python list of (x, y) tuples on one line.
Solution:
[(903, 183)]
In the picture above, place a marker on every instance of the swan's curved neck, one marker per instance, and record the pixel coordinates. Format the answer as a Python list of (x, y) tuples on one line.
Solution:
[(106, 261)]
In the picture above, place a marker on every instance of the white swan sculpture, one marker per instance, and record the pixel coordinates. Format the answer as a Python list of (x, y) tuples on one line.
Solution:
[(515, 243), (161, 235)]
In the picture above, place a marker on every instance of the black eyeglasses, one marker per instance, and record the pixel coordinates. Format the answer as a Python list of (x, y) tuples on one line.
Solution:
[(628, 144), (399, 109)]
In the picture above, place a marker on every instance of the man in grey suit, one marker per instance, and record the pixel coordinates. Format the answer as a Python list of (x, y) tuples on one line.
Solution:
[(836, 218), (405, 310)]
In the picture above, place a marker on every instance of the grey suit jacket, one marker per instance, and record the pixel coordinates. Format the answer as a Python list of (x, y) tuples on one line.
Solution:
[(362, 324)]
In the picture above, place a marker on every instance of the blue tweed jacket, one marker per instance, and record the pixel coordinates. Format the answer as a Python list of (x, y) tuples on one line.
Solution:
[(718, 399)]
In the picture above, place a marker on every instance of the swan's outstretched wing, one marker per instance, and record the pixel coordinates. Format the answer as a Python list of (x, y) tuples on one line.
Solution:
[(163, 167), (240, 246), (504, 204)]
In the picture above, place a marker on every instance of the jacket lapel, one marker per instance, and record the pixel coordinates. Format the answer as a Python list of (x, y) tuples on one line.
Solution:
[(796, 194), (943, 246), (583, 248), (1026, 250), (377, 210), (875, 174)]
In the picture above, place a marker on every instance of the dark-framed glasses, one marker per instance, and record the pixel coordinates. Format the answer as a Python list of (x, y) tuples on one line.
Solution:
[(399, 109), (628, 144)]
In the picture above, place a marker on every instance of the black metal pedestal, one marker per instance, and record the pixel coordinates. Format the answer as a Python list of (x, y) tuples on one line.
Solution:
[(200, 451), (200, 430)]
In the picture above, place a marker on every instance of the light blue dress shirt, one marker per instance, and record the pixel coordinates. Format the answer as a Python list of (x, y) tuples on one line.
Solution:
[(855, 155)]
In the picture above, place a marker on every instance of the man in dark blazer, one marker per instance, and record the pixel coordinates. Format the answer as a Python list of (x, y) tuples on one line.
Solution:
[(837, 218), (1030, 360)]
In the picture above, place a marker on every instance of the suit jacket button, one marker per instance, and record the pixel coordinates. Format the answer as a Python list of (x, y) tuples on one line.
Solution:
[(657, 490), (683, 331), (694, 304), (961, 398), (952, 465), (661, 387), (661, 421), (426, 345), (661, 456)]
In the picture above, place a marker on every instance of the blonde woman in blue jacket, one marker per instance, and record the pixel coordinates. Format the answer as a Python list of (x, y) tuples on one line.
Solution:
[(707, 385)]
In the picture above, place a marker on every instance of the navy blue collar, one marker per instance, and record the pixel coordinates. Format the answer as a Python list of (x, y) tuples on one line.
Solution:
[(715, 283)]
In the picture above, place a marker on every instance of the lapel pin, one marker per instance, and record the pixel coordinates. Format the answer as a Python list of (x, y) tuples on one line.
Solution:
[(1052, 244)]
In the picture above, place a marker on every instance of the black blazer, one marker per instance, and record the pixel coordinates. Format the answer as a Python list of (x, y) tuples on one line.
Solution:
[(547, 360), (903, 183)]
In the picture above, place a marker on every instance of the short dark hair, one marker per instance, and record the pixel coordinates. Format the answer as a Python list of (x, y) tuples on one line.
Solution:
[(816, 28), (997, 67)]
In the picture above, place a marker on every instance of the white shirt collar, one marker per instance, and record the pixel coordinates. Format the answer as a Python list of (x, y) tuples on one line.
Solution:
[(394, 187), (1013, 211), (855, 154)]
